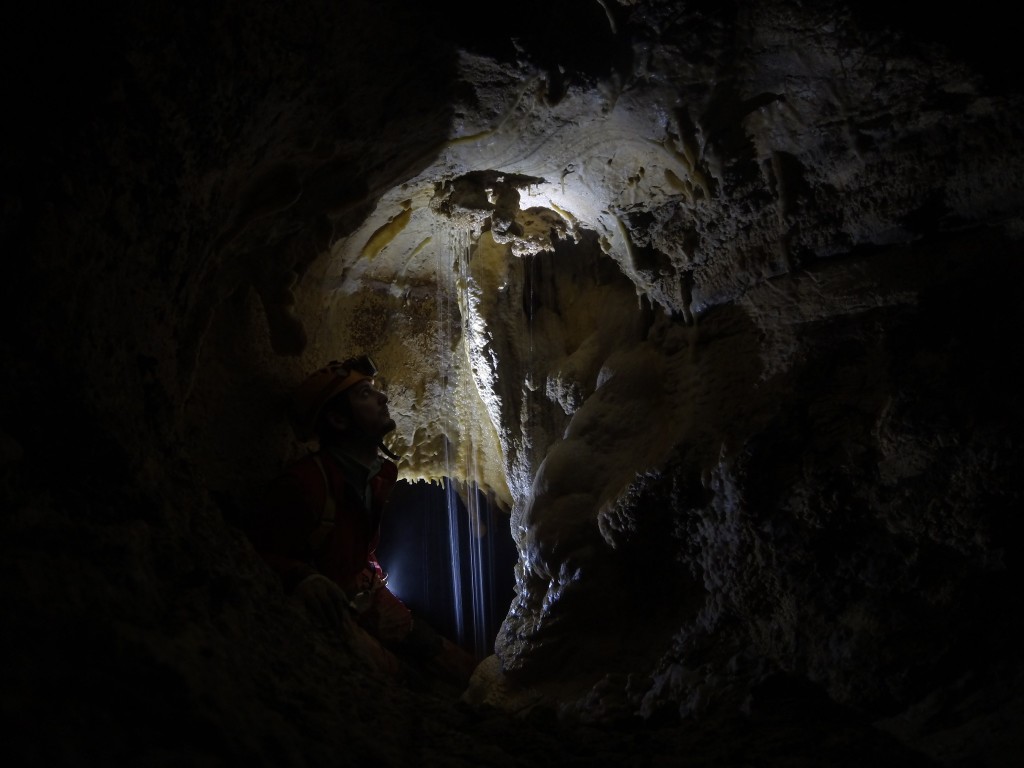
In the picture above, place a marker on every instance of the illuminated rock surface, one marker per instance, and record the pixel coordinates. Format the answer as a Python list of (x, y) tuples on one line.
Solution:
[(718, 304)]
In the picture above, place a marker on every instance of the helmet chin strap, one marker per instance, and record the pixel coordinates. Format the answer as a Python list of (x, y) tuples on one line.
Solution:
[(389, 454)]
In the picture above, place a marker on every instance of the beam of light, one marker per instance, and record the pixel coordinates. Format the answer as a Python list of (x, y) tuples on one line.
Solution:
[(469, 567)]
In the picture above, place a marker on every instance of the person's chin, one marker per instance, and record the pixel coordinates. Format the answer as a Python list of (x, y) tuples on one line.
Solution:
[(389, 426)]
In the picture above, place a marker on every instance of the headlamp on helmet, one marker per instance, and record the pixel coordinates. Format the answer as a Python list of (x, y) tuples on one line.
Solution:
[(324, 385)]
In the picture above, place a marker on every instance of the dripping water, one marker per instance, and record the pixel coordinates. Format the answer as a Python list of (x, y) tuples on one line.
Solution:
[(467, 529), (442, 543)]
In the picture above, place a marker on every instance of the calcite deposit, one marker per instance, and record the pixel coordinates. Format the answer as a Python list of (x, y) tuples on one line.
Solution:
[(717, 304)]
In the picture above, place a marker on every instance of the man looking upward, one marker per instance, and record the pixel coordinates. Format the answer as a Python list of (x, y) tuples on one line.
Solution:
[(319, 524)]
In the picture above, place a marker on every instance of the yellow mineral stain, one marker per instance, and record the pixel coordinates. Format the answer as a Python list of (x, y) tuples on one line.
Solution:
[(385, 234), (468, 139), (564, 214), (423, 244)]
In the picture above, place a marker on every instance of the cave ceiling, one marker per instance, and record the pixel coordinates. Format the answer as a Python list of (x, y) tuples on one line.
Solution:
[(663, 184)]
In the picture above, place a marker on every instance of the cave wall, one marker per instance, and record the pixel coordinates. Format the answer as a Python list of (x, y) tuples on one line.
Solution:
[(753, 416)]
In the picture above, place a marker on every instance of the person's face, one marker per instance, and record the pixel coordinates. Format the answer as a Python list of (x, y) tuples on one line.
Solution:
[(370, 409)]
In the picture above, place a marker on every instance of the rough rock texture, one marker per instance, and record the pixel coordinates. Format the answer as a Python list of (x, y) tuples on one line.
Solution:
[(718, 301)]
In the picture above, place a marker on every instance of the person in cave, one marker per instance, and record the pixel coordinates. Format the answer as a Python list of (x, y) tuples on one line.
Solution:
[(319, 523)]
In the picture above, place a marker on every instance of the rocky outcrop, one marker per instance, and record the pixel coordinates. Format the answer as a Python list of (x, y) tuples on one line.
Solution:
[(716, 302)]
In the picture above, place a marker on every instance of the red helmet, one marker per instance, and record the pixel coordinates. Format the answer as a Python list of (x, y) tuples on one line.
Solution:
[(312, 395)]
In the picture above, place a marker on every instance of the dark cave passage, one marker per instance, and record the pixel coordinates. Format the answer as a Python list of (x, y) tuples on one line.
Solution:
[(417, 552)]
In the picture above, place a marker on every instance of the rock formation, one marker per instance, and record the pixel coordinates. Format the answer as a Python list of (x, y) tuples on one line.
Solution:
[(718, 303)]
